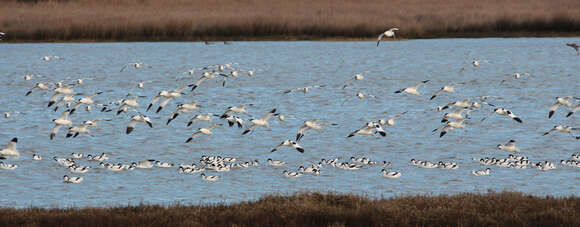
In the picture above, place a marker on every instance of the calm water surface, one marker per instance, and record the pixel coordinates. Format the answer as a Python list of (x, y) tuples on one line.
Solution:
[(554, 71)]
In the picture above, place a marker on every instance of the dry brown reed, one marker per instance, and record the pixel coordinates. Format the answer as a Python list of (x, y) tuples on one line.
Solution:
[(153, 20), (316, 209)]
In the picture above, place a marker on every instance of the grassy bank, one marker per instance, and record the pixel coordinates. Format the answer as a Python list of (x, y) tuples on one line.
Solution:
[(314, 209), (177, 20)]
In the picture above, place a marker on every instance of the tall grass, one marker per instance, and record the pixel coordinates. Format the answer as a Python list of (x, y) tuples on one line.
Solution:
[(281, 19), (315, 209)]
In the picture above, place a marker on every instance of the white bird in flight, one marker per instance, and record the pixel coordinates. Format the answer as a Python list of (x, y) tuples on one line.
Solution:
[(387, 33)]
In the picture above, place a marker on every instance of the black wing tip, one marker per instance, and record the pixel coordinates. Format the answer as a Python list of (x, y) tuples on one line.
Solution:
[(397, 92), (518, 120), (149, 107), (129, 130), (150, 124), (188, 140), (68, 135), (50, 103), (301, 150), (442, 134), (245, 132), (383, 134), (158, 109), (432, 97), (272, 150), (550, 114), (15, 140), (569, 114), (27, 93)]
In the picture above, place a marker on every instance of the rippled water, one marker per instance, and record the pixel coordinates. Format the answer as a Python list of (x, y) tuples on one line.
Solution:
[(553, 67)]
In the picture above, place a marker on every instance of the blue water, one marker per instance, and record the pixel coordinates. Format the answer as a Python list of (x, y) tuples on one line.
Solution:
[(553, 68)]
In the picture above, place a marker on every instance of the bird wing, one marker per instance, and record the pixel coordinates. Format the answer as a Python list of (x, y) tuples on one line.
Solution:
[(554, 106), (165, 101), (154, 100), (489, 115), (11, 146), (269, 115), (419, 84), (124, 66), (198, 81), (380, 37), (179, 89), (436, 94), (64, 115), (54, 130)]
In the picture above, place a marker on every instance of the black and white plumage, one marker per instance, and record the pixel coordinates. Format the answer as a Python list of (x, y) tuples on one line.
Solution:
[(559, 102), (563, 129), (503, 112), (60, 90), (573, 110), (390, 121), (201, 117), (370, 128), (167, 96), (63, 120), (40, 86), (575, 46), (235, 109), (201, 131), (450, 126), (303, 89), (447, 88), (289, 143), (233, 120), (261, 122), (86, 101), (413, 89), (136, 65), (10, 149), (387, 33), (183, 108), (510, 146), (204, 76), (139, 118), (307, 126), (356, 77)]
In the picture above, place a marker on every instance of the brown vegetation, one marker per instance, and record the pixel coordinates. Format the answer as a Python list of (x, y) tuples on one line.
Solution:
[(152, 20), (315, 209)]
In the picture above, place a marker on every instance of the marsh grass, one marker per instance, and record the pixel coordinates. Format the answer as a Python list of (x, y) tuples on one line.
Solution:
[(316, 209), (152, 20)]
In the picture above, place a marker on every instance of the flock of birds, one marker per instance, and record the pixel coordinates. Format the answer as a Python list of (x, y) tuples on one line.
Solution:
[(64, 96)]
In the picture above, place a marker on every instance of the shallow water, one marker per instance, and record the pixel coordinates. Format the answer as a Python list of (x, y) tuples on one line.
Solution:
[(552, 66)]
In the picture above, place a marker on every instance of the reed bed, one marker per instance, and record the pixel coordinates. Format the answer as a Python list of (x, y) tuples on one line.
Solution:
[(316, 209), (190, 20)]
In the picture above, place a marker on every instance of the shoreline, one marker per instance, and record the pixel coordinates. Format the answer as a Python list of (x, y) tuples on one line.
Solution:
[(318, 209), (220, 40)]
